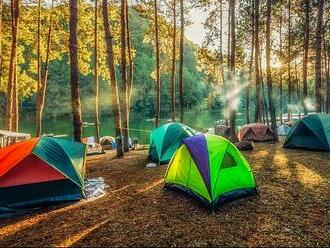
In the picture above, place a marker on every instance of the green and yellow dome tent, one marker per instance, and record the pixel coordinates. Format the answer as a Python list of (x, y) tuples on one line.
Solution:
[(40, 171), (210, 168), (166, 139)]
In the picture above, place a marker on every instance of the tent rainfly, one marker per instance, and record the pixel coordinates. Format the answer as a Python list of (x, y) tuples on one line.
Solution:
[(166, 139), (211, 169), (40, 171), (311, 132)]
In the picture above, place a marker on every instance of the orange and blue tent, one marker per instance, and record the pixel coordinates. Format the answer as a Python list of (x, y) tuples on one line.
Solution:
[(41, 171)]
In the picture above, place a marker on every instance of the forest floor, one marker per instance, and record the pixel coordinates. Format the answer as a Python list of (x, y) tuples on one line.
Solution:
[(293, 208)]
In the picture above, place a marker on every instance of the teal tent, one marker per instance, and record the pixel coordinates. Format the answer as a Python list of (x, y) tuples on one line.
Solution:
[(311, 132), (41, 171), (166, 139)]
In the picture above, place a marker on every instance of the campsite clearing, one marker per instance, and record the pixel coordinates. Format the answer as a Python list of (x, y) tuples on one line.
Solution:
[(291, 210)]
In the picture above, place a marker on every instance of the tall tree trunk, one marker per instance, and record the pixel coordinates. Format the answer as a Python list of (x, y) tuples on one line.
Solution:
[(15, 100), (14, 7), (38, 131), (247, 93), (157, 64), (41, 94), (306, 49), (232, 118), (318, 56), (264, 108), (75, 98), (220, 44), (289, 63), (257, 115), (96, 75), (328, 80), (272, 109), (113, 80), (131, 65), (123, 92), (173, 70), (181, 63), (281, 71)]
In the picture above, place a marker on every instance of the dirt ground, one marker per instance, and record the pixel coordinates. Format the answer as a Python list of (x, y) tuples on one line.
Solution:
[(293, 208)]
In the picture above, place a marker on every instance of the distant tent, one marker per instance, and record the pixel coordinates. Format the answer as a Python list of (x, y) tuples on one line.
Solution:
[(222, 130), (40, 171), (283, 130), (211, 169), (311, 132), (256, 132), (166, 139)]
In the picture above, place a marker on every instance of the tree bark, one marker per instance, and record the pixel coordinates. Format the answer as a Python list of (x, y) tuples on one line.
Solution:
[(220, 45), (113, 81), (41, 94), (306, 50), (123, 92), (318, 56), (96, 75), (328, 81), (289, 63), (257, 115), (14, 8), (158, 86), (173, 70), (181, 63), (131, 65), (15, 100), (281, 72), (247, 96), (272, 109), (38, 131), (232, 118), (75, 98)]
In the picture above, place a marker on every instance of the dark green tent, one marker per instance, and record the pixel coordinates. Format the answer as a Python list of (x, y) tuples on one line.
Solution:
[(311, 132), (166, 139)]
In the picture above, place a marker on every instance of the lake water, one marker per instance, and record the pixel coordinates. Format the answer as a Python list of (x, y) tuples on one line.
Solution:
[(63, 126)]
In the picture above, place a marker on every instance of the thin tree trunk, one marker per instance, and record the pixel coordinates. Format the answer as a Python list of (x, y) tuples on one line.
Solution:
[(113, 81), (96, 75), (123, 92), (281, 72), (173, 70), (306, 49), (272, 109), (220, 45), (44, 75), (257, 115), (38, 131), (14, 7), (181, 63), (289, 63), (247, 96), (157, 64), (75, 98), (318, 56), (131, 65), (15, 99), (264, 108), (328, 80), (232, 118)]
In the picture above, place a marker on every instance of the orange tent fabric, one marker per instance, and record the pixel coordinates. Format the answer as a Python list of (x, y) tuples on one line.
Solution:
[(12, 155)]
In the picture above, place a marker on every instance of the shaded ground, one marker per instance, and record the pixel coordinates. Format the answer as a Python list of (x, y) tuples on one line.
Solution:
[(293, 208)]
